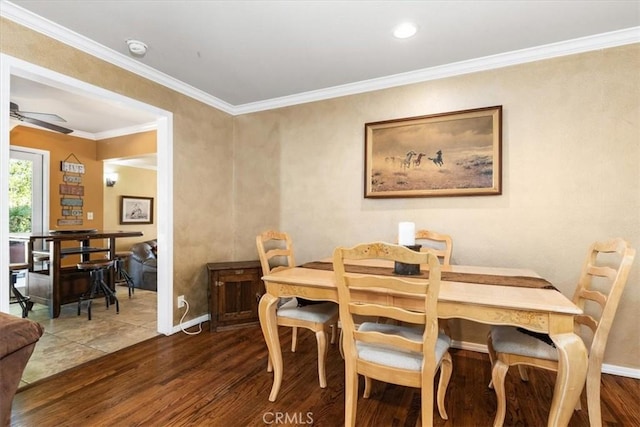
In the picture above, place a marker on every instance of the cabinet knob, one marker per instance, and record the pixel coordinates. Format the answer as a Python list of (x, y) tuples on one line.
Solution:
[(239, 271), (218, 283)]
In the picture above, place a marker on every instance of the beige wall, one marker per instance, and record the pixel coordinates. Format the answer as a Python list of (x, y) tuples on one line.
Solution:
[(571, 150), (570, 159)]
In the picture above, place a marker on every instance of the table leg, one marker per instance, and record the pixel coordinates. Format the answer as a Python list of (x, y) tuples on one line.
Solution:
[(269, 325), (572, 372)]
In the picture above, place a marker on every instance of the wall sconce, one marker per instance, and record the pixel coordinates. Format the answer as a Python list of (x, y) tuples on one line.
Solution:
[(111, 179)]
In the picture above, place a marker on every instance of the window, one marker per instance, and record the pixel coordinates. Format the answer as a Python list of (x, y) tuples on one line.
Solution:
[(28, 190)]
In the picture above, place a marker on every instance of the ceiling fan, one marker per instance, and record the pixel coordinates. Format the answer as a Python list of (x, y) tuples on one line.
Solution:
[(37, 119)]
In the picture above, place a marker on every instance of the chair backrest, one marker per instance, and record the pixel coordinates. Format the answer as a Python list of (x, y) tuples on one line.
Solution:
[(440, 244), (372, 295), (275, 250), (602, 280)]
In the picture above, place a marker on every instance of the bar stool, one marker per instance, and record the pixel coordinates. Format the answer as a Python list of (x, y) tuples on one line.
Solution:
[(24, 301), (122, 275), (97, 268)]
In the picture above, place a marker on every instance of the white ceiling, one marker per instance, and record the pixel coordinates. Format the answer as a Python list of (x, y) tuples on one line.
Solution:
[(93, 116), (240, 55)]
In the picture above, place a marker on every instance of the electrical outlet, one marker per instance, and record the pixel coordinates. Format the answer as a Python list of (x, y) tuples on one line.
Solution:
[(181, 301)]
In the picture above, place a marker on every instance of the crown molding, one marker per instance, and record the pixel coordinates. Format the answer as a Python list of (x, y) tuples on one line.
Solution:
[(130, 130), (569, 47), (553, 50)]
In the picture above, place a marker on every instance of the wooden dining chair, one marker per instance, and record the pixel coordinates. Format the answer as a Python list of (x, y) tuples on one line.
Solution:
[(275, 250), (602, 280), (440, 244), (408, 355)]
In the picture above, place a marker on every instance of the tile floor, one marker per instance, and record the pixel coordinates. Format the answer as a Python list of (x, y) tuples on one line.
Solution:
[(70, 340)]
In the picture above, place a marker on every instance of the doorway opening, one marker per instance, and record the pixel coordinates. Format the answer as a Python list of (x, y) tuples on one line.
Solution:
[(10, 66)]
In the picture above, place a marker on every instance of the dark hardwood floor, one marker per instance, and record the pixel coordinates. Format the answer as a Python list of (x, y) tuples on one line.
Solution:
[(220, 379)]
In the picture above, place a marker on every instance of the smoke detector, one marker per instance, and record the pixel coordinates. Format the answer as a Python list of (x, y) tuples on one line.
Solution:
[(136, 47)]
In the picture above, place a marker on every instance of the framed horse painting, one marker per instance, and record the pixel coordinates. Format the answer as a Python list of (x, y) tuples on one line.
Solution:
[(447, 154)]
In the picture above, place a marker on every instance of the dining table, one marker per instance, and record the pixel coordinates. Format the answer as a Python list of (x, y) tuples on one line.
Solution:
[(489, 295)]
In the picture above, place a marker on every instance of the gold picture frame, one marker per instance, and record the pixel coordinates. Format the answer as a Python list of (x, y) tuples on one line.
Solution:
[(449, 154)]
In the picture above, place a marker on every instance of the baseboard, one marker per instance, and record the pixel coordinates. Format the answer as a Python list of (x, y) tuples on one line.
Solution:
[(190, 323), (621, 371), (607, 368)]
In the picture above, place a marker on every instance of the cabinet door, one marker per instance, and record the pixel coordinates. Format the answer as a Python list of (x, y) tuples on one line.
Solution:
[(237, 291)]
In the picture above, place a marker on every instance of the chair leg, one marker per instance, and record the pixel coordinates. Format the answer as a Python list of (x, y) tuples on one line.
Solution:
[(321, 337), (524, 376), (340, 344), (368, 383), (126, 277), (446, 368), (593, 394), (492, 356), (444, 326), (498, 374), (95, 285), (426, 395), (269, 365), (108, 293), (578, 404), (294, 339), (334, 328), (24, 302), (351, 393)]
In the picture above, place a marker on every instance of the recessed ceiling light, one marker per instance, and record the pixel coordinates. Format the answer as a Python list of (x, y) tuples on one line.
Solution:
[(405, 30), (137, 47)]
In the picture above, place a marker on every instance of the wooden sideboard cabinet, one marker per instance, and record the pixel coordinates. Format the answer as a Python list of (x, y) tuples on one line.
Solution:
[(234, 291)]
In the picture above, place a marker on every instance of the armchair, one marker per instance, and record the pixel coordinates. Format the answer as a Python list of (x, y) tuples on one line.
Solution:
[(143, 265), (18, 339)]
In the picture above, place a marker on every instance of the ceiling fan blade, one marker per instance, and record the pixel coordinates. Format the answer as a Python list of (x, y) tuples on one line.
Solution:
[(42, 116), (45, 125), (14, 109)]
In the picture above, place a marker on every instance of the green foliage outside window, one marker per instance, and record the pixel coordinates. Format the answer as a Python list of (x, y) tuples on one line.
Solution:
[(19, 196)]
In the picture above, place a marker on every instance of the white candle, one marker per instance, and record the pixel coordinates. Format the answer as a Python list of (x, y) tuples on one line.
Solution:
[(407, 234)]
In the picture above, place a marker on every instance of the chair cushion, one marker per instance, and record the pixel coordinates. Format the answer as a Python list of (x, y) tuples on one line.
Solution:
[(319, 313), (389, 356), (507, 339)]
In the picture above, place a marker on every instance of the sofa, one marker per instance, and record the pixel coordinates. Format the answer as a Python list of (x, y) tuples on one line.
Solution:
[(143, 265), (18, 338)]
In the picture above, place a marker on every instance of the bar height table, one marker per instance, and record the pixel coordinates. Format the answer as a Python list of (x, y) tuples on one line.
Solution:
[(58, 284)]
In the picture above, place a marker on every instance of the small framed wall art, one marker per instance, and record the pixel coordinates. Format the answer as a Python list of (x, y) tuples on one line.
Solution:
[(136, 210)]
